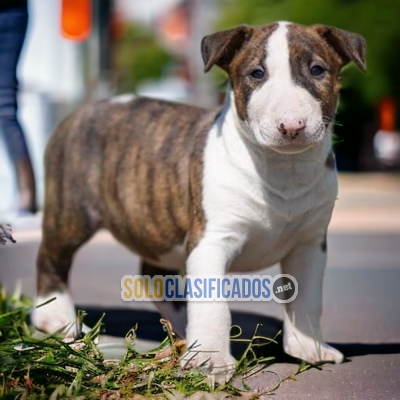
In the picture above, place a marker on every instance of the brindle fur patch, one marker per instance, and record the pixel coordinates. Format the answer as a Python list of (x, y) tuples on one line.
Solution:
[(250, 57), (239, 51), (335, 50), (305, 46), (134, 168)]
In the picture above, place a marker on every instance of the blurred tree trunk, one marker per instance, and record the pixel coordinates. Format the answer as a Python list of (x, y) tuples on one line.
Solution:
[(202, 17)]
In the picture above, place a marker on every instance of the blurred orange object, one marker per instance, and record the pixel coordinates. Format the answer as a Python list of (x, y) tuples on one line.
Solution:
[(387, 114), (174, 30), (76, 19)]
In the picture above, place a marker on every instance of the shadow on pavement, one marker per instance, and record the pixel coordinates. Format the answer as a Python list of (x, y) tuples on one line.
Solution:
[(118, 321)]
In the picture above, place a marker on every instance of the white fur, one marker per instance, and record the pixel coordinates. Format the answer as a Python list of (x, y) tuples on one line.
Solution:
[(209, 323), (56, 315), (122, 98)]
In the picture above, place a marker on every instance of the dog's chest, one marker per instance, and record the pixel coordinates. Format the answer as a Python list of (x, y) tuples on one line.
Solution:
[(265, 209)]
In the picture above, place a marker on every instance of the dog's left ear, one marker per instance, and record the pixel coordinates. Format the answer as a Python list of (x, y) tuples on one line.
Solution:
[(220, 48), (348, 45)]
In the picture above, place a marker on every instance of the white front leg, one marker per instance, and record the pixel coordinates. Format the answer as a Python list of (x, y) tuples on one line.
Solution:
[(302, 324), (209, 323)]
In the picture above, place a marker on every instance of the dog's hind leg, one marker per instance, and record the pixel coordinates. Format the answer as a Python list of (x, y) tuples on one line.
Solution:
[(72, 214), (174, 311), (63, 233)]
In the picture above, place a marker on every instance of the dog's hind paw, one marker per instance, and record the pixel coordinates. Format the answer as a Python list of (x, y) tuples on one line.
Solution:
[(57, 316)]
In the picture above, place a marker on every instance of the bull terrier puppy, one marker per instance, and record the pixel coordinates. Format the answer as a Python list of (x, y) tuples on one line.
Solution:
[(212, 191)]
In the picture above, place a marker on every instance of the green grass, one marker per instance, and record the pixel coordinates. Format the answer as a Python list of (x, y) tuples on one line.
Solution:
[(48, 368)]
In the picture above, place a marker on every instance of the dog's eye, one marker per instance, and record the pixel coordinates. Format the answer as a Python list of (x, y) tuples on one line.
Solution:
[(257, 73), (317, 70)]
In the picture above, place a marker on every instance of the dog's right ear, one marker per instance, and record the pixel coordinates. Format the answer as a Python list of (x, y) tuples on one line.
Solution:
[(220, 48)]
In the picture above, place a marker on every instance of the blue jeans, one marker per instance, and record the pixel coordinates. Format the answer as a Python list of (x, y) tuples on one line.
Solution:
[(13, 23)]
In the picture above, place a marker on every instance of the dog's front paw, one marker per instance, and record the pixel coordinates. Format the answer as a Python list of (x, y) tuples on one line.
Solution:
[(219, 366), (312, 351), (57, 316)]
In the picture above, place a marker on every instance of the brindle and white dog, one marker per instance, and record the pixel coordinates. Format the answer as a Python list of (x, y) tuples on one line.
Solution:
[(235, 189)]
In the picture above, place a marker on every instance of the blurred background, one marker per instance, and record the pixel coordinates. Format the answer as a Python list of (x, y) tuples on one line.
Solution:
[(84, 50)]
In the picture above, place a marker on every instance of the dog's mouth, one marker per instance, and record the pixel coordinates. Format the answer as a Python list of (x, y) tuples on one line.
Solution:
[(293, 148), (287, 146), (292, 144)]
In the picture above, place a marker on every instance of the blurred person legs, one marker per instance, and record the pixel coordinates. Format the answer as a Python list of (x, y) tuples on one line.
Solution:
[(13, 24)]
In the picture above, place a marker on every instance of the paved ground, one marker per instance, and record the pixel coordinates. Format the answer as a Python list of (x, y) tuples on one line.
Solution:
[(361, 296)]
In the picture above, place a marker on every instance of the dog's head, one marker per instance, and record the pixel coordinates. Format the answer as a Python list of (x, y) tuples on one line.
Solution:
[(284, 79)]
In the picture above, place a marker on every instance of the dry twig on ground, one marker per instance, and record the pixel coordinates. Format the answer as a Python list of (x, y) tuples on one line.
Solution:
[(5, 234)]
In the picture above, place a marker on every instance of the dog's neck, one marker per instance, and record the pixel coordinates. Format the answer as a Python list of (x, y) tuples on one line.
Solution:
[(275, 169)]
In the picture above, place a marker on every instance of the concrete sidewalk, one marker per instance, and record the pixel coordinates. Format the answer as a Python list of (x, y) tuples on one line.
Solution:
[(367, 202), (361, 295)]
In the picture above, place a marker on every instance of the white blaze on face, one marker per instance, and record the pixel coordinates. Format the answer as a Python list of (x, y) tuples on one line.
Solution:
[(280, 99)]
